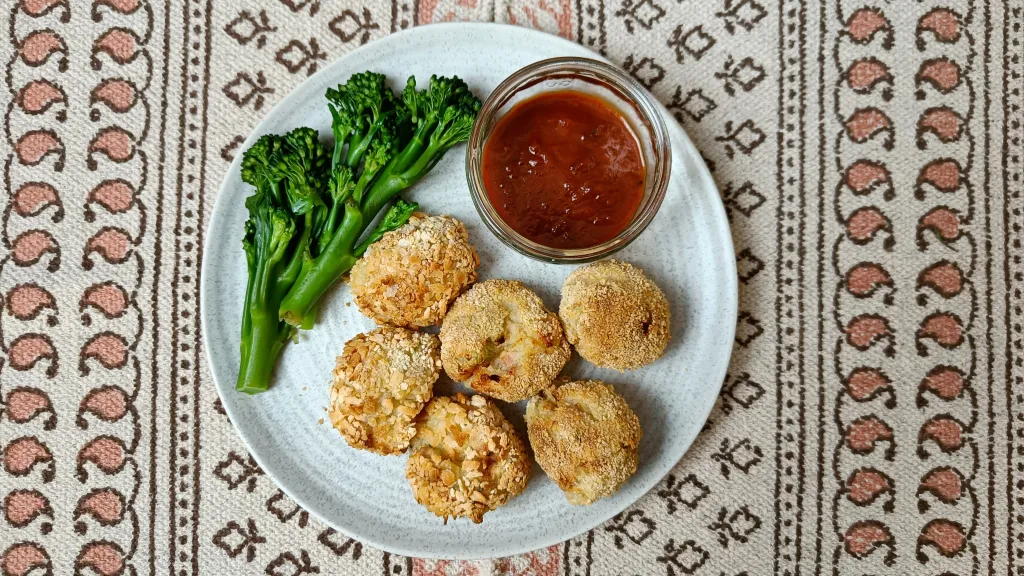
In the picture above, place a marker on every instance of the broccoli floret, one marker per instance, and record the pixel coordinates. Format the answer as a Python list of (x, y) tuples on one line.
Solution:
[(262, 167), (304, 166), (442, 116), (359, 109)]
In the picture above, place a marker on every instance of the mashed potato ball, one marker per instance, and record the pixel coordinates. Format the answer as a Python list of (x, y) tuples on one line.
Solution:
[(614, 315), (585, 437), (466, 458), (381, 382), (500, 339), (411, 275)]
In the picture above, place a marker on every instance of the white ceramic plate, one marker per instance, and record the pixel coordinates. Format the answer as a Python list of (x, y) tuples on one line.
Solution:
[(687, 250)]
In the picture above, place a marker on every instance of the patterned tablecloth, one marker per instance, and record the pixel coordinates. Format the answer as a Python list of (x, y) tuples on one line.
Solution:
[(868, 152)]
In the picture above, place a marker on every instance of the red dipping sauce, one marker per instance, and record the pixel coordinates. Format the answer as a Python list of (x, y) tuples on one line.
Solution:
[(564, 169)]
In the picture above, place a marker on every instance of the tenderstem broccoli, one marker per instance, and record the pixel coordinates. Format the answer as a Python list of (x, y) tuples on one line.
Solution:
[(285, 172)]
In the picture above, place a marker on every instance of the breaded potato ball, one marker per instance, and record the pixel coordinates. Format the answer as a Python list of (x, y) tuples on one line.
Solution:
[(585, 437), (500, 339), (381, 382), (411, 275), (614, 315), (466, 458)]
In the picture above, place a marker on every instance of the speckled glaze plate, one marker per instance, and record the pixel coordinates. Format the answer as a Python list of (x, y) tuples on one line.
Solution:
[(687, 250)]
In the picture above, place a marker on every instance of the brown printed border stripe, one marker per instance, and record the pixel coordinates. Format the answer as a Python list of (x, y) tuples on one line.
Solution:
[(1013, 188), (789, 302), (155, 292), (190, 189)]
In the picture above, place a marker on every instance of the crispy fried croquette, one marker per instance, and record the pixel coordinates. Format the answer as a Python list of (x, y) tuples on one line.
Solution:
[(614, 315), (585, 437), (466, 459), (500, 339), (381, 382), (411, 275)]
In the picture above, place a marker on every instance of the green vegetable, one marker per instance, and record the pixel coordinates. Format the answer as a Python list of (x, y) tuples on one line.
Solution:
[(311, 206), (285, 171)]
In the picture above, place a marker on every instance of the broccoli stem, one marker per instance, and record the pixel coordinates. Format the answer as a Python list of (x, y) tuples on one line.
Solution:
[(291, 270), (266, 339), (310, 320), (423, 164), (321, 272), (246, 343), (415, 146), (340, 135), (383, 190), (364, 180), (390, 182), (263, 334)]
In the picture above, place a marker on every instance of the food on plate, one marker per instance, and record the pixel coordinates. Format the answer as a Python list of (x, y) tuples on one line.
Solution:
[(585, 437), (500, 339), (396, 142), (564, 169), (313, 204), (614, 315), (466, 458), (381, 382), (411, 275)]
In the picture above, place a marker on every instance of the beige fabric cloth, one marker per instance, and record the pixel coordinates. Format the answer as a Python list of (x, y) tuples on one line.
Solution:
[(870, 157)]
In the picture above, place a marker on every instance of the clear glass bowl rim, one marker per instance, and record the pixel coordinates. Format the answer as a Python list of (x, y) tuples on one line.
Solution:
[(628, 88)]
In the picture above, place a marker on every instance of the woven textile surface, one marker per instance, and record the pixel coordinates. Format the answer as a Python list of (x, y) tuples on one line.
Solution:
[(869, 154)]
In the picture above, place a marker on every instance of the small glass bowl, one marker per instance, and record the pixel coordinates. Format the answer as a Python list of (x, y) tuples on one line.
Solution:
[(616, 88)]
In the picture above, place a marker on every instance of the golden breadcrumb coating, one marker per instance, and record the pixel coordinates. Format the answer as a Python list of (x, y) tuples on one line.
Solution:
[(585, 437), (614, 315), (500, 339), (411, 275), (381, 382), (466, 458)]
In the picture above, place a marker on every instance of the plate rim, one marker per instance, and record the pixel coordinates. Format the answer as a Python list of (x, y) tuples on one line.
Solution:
[(674, 128)]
